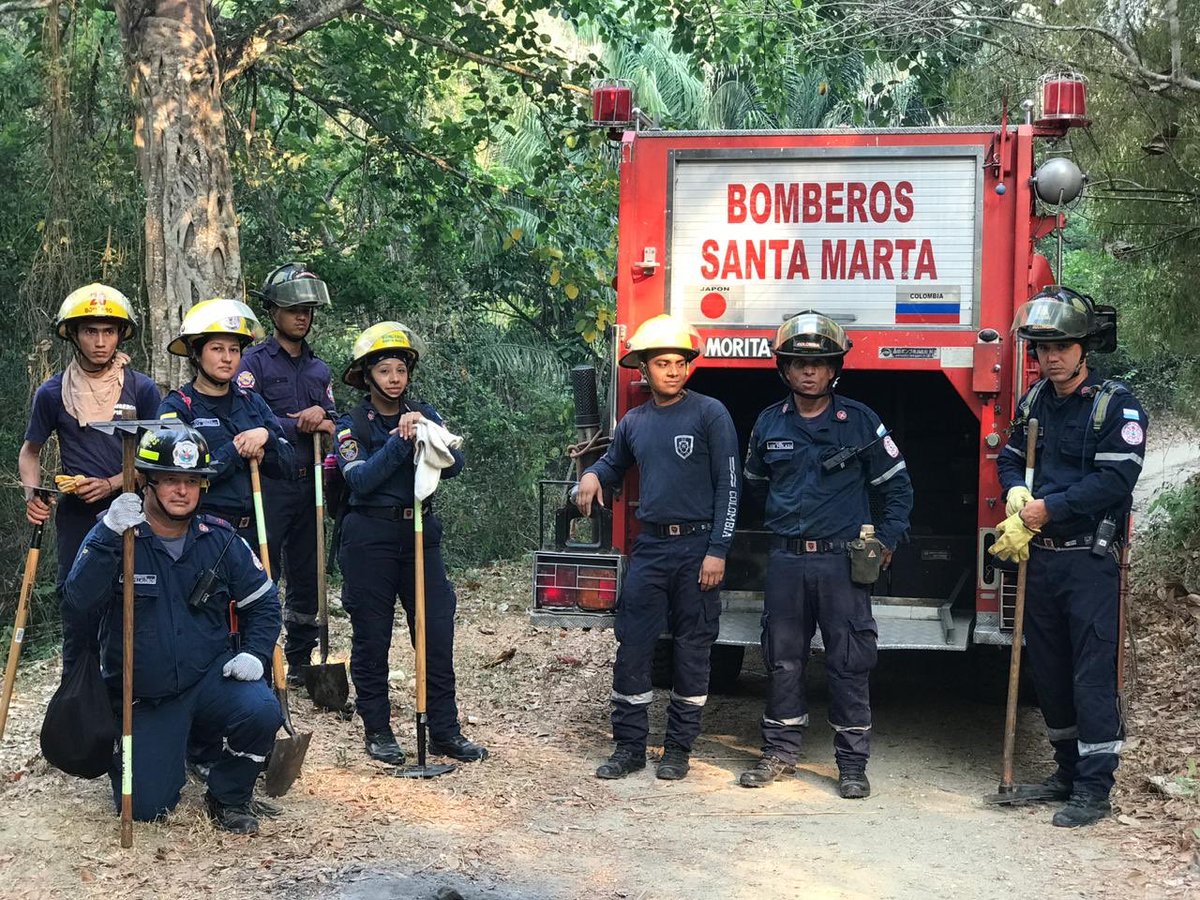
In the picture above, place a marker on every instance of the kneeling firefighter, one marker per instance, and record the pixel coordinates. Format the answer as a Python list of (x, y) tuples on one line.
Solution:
[(375, 453), (199, 655), (816, 456)]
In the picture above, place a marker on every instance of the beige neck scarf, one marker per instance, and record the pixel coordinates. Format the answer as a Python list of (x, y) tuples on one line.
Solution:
[(92, 396)]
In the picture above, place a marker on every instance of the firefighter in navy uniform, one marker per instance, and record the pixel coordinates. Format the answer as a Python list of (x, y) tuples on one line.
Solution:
[(237, 423), (819, 456), (1091, 443), (189, 676), (297, 386), (97, 385), (685, 447), (377, 554)]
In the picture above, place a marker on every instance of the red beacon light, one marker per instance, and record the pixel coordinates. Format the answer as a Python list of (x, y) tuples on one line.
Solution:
[(612, 103), (1064, 101)]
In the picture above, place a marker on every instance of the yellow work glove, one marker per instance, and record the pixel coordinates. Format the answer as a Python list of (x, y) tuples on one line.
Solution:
[(1013, 543), (1016, 498), (68, 484)]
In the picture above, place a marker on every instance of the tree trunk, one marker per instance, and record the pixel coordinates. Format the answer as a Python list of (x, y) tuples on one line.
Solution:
[(191, 230)]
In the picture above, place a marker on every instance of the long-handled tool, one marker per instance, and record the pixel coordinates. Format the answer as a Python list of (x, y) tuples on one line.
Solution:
[(327, 684), (421, 770), (129, 429), (287, 757), (1008, 792), (18, 635)]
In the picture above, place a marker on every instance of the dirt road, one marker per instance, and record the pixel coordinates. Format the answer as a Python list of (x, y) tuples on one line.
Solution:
[(533, 822)]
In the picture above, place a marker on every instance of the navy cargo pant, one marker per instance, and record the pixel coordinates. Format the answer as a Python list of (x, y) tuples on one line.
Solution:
[(73, 519), (377, 559), (802, 592), (1071, 622), (239, 717), (290, 509), (662, 593)]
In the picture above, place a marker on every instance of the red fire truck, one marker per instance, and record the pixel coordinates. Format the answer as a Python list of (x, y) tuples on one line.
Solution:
[(921, 243)]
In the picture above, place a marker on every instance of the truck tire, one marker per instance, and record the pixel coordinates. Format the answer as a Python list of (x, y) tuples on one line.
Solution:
[(725, 665), (988, 676), (662, 668)]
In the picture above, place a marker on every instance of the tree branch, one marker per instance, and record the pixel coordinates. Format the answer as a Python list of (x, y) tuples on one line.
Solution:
[(332, 107), (281, 29), (447, 47), (23, 6)]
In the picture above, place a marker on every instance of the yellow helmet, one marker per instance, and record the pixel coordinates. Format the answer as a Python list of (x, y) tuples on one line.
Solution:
[(96, 301), (217, 316), (386, 336), (664, 333)]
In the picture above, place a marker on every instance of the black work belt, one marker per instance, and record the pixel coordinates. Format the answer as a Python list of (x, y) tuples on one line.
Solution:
[(390, 513), (802, 545), (1082, 542), (679, 529)]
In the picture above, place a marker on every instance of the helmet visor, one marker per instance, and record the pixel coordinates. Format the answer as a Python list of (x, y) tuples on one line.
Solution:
[(1045, 319), (811, 334), (303, 291)]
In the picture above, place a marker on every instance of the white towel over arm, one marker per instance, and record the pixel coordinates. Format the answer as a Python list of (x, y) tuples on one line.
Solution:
[(433, 445)]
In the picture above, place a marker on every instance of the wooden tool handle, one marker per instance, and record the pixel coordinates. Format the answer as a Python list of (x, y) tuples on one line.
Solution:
[(419, 604), (1018, 633), (128, 484), (18, 635), (319, 498)]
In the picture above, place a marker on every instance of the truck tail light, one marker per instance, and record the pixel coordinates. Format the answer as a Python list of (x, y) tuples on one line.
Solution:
[(574, 581)]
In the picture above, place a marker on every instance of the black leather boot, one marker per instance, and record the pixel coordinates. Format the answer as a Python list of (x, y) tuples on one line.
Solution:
[(460, 748), (234, 818), (1082, 809), (765, 771), (623, 761), (381, 745), (674, 764), (853, 784)]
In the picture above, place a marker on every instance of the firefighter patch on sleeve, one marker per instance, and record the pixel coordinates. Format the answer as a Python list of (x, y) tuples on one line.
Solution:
[(1132, 434), (348, 450), (890, 446), (245, 380)]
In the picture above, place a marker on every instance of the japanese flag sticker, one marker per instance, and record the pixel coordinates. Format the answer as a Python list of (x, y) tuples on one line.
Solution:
[(1132, 434), (890, 446)]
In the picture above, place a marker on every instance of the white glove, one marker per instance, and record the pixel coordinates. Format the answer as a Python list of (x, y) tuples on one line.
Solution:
[(244, 667), (125, 512)]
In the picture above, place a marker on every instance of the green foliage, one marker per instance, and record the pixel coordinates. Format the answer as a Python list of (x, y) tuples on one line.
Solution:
[(1175, 514)]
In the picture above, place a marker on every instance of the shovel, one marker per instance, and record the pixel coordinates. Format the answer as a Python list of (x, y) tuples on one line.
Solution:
[(421, 770), (129, 429), (18, 635), (1010, 793), (287, 757), (327, 684)]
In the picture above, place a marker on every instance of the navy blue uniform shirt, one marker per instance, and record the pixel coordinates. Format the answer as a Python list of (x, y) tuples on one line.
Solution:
[(219, 419), (173, 644), (1080, 473), (288, 384), (687, 456), (85, 451), (803, 501), (378, 466)]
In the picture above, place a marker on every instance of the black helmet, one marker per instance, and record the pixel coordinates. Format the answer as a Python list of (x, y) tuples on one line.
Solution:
[(1057, 313), (292, 285), (810, 333), (180, 449)]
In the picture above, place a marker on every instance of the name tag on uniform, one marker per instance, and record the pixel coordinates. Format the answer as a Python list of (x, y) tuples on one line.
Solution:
[(781, 445), (139, 579), (206, 423)]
